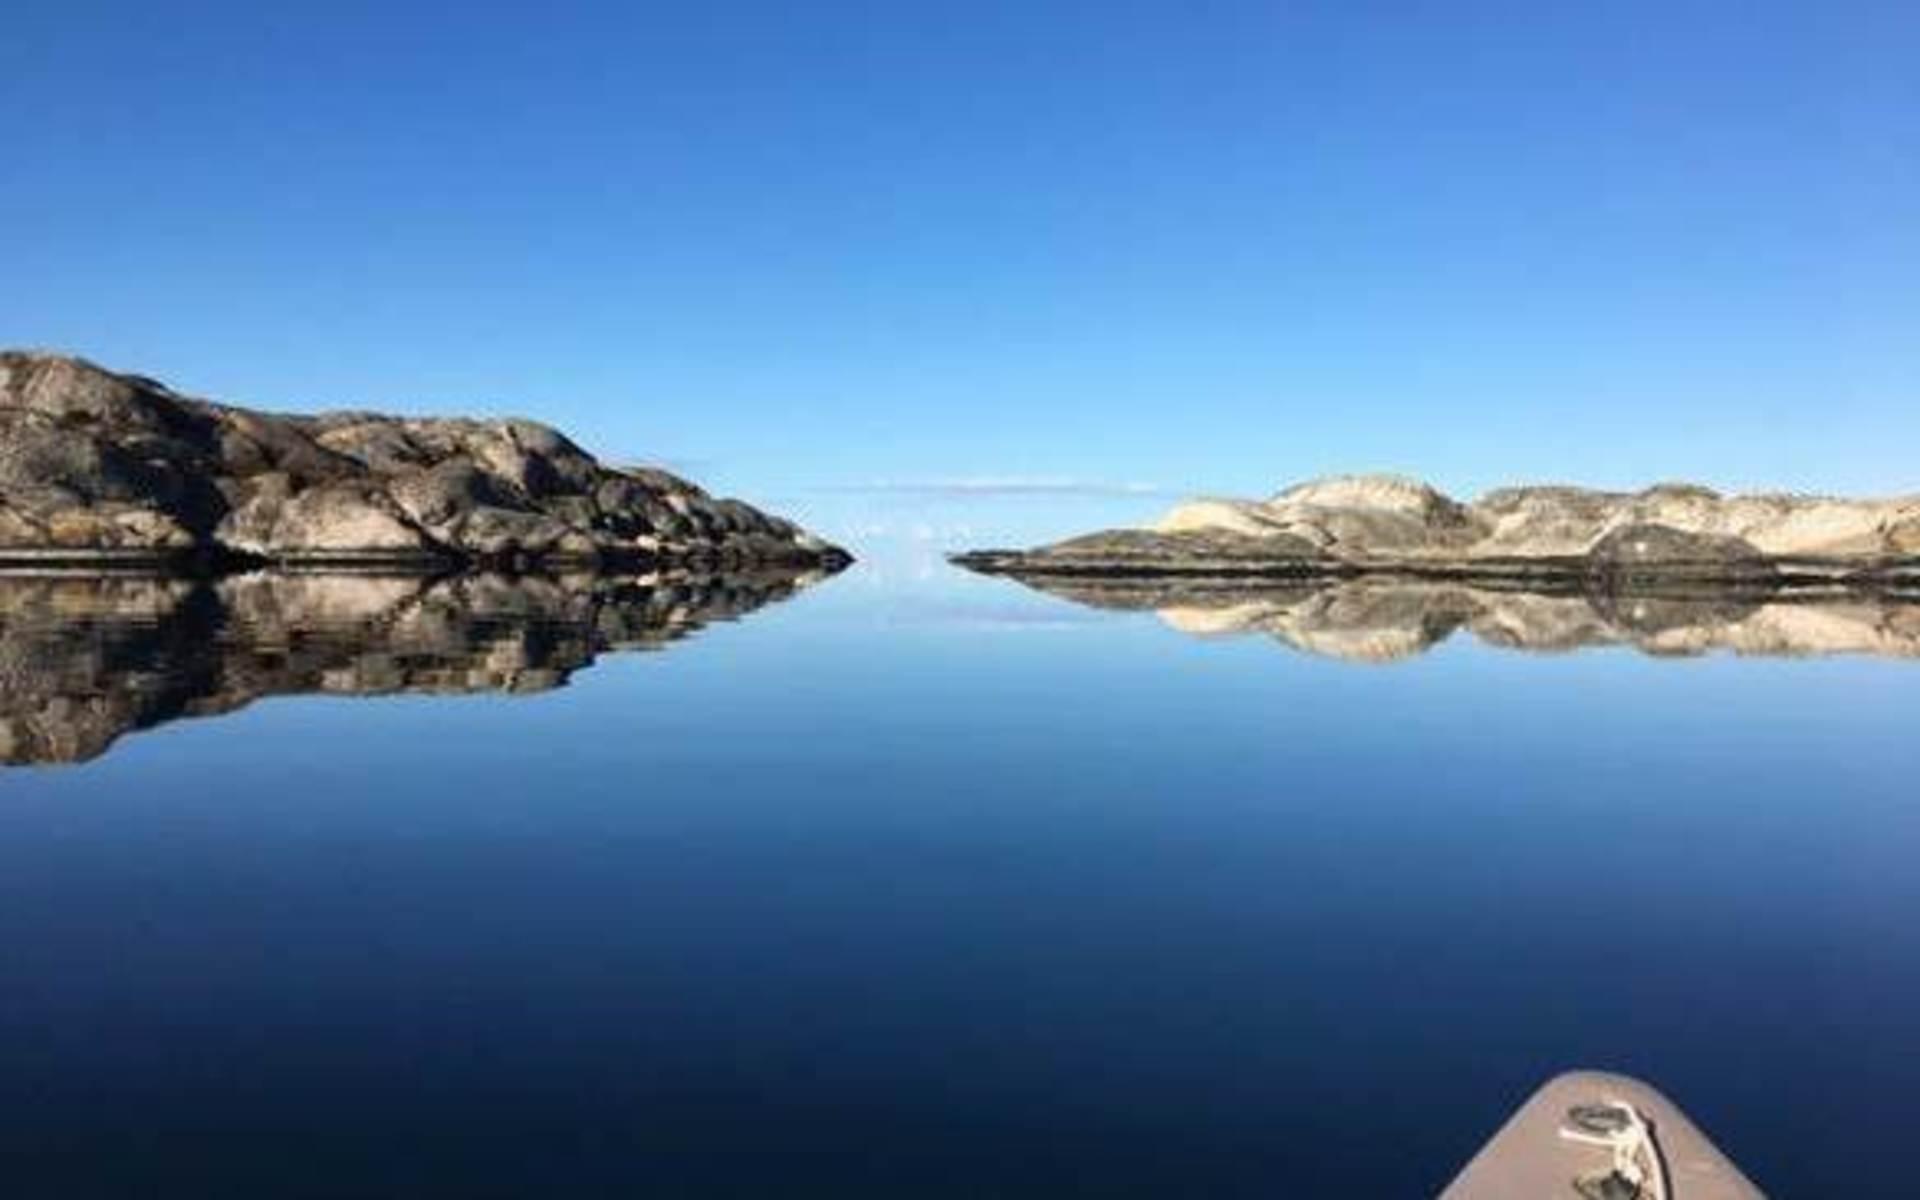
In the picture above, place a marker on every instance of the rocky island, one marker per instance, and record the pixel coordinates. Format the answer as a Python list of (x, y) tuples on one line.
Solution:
[(1673, 536), (1376, 568), (100, 469)]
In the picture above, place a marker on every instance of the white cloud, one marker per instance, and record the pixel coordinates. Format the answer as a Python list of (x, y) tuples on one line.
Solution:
[(1001, 485)]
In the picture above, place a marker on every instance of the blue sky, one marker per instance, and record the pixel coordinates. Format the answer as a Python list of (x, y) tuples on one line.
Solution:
[(997, 271)]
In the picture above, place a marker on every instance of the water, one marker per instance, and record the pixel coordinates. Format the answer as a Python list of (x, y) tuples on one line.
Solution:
[(921, 887)]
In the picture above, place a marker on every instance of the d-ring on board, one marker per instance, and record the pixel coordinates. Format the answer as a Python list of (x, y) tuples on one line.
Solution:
[(1586, 1126)]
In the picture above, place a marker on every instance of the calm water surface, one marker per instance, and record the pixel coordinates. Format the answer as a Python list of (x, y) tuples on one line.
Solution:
[(939, 887)]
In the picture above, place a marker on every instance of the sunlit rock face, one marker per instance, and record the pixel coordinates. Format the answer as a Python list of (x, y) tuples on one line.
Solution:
[(99, 467), (1377, 620), (86, 659), (1383, 523)]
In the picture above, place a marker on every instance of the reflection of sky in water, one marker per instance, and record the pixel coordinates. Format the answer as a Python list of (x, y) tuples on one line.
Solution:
[(912, 521), (904, 906)]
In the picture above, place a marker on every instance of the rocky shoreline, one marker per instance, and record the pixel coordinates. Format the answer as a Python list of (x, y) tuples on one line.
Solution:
[(1666, 537), (102, 470)]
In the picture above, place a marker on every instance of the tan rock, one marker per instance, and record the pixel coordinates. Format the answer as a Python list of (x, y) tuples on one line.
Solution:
[(1387, 522), (97, 463)]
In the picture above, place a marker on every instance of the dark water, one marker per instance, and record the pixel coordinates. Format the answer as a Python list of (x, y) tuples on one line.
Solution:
[(930, 887)]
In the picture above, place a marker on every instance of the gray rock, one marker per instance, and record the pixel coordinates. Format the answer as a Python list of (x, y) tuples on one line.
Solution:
[(1628, 550), (1388, 525), (103, 467)]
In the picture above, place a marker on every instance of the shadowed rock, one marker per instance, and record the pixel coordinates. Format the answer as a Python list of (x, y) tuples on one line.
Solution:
[(1356, 525), (85, 659), (98, 467), (1379, 619)]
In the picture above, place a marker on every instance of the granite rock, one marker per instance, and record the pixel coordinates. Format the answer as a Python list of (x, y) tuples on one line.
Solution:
[(1351, 525), (99, 467)]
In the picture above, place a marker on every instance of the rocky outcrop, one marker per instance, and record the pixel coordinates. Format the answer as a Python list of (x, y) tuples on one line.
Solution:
[(1356, 525), (1375, 618), (84, 659), (98, 467)]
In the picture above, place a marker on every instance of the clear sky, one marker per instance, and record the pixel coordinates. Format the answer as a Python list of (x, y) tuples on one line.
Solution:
[(990, 270)]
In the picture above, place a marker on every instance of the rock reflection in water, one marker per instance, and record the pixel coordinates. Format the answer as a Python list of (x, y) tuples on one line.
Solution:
[(1382, 619), (86, 659)]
